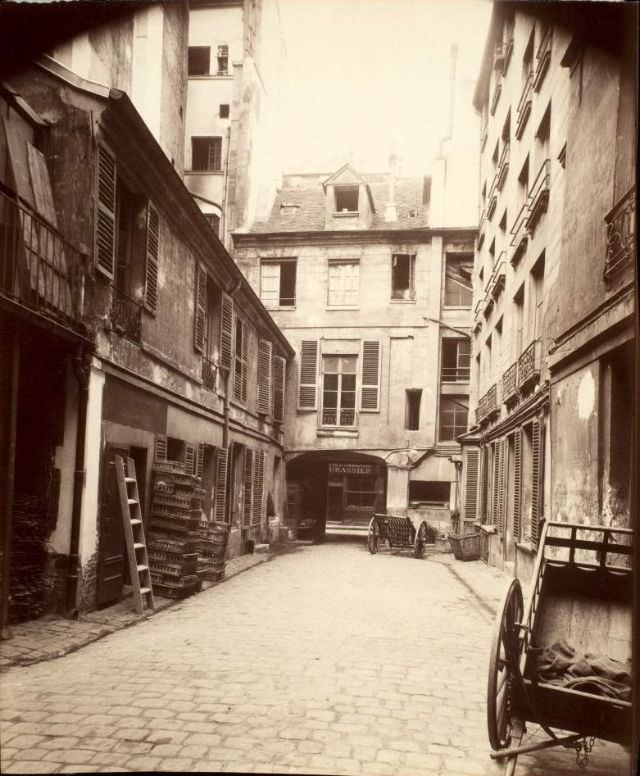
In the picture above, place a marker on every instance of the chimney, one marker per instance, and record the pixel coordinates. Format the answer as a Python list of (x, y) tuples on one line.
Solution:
[(391, 213), (453, 59)]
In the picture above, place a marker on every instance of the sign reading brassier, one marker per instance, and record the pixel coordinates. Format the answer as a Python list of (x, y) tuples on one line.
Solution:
[(350, 468)]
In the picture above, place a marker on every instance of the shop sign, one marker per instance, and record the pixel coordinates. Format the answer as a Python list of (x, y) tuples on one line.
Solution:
[(350, 468)]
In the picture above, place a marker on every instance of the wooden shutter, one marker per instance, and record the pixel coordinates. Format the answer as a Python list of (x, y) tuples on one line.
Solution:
[(307, 393), (370, 390), (248, 487), (190, 458), (226, 332), (151, 266), (471, 473), (240, 371), (105, 226), (199, 308), (501, 483), (160, 453), (494, 482), (200, 460), (264, 376), (517, 482), (279, 371), (537, 485), (220, 496), (258, 487)]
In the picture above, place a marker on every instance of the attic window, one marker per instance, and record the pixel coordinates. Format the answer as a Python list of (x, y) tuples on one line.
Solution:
[(346, 199), (288, 209)]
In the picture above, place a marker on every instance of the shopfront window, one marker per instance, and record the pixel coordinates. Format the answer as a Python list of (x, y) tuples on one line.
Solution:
[(360, 491)]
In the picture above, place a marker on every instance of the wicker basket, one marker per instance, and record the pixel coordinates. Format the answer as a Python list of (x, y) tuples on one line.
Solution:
[(467, 546)]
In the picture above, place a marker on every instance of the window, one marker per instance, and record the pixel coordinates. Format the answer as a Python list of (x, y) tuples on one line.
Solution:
[(278, 283), (223, 59), (402, 276), (412, 409), (198, 60), (339, 390), (360, 491), (523, 180), (518, 301), (344, 283), (454, 411), (503, 223), (224, 111), (458, 290), (456, 360), (175, 449), (542, 137), (214, 221), (527, 58), (536, 297), (206, 154), (346, 199), (240, 366), (430, 492)]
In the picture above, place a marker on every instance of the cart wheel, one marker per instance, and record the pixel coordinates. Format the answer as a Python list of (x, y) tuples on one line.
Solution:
[(505, 654), (420, 541), (372, 536)]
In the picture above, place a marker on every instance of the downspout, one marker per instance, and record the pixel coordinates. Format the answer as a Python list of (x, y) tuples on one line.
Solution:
[(81, 373)]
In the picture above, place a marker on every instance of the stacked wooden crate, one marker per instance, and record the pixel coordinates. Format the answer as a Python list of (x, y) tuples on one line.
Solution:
[(173, 535), (211, 550)]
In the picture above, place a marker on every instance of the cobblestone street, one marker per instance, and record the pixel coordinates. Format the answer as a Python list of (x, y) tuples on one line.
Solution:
[(325, 660)]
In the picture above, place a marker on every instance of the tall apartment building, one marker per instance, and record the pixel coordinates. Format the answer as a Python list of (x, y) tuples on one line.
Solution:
[(552, 354), (376, 303)]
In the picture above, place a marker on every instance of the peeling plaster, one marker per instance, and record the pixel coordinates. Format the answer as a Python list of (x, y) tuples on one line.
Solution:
[(586, 396)]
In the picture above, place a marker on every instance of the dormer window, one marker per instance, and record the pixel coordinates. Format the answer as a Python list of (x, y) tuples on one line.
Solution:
[(346, 199)]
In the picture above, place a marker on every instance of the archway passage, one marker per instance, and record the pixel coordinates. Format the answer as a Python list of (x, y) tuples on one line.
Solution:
[(334, 488)]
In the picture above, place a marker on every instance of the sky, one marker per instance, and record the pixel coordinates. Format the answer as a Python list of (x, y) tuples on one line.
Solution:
[(368, 77)]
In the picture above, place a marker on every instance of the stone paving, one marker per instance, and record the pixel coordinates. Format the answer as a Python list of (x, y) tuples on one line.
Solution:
[(324, 661)]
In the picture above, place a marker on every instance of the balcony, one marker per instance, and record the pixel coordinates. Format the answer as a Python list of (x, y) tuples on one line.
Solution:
[(543, 58), (621, 235), (510, 384), (39, 271), (455, 374), (498, 276), (126, 316), (524, 106), (539, 195), (519, 235), (495, 97), (209, 372), (491, 402), (529, 366), (503, 167)]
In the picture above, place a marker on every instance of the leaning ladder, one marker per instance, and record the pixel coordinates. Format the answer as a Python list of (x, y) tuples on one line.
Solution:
[(134, 533)]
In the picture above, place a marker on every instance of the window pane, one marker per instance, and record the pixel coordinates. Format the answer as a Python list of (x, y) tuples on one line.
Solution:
[(330, 399), (287, 284), (348, 365), (348, 399), (331, 364), (330, 382)]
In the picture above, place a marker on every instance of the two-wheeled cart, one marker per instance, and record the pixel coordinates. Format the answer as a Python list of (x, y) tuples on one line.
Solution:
[(580, 602), (397, 532)]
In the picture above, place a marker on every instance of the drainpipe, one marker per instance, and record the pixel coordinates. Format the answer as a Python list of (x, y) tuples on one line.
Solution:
[(81, 373)]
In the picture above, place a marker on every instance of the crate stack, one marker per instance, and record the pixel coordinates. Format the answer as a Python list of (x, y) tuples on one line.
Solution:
[(212, 546), (173, 535)]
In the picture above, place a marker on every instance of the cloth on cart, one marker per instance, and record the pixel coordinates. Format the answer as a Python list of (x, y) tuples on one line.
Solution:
[(560, 664)]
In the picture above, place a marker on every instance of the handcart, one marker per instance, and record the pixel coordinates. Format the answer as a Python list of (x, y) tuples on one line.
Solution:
[(577, 621), (397, 532)]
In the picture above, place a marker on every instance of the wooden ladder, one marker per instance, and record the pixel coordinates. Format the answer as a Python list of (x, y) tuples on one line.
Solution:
[(134, 533)]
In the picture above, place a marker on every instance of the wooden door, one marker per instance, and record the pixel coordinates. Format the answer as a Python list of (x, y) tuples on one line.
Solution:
[(111, 547)]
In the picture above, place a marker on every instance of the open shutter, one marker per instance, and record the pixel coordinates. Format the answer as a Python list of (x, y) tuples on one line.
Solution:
[(226, 332), (307, 394), (501, 483), (241, 353), (279, 368), (537, 457), (517, 482), (105, 226), (248, 487), (190, 458), (264, 376), (199, 308), (160, 452), (494, 482), (200, 460), (258, 487), (370, 391), (219, 500), (471, 473), (151, 266)]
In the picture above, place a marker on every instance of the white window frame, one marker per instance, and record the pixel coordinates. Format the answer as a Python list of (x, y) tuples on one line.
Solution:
[(343, 298), (339, 409)]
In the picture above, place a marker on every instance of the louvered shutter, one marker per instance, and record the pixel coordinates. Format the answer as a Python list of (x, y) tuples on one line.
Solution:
[(307, 393), (220, 496), (151, 266), (248, 488), (471, 484), (160, 452), (484, 483), (240, 371), (279, 369), (494, 483), (105, 226), (370, 390), (264, 376), (537, 488), (200, 460), (190, 458), (501, 483), (258, 487), (199, 308), (226, 332), (517, 482)]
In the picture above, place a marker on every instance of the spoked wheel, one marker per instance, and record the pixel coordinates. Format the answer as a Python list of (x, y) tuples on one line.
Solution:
[(372, 536), (420, 541), (503, 663)]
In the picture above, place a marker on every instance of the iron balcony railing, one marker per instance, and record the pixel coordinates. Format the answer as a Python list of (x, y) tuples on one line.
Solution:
[(346, 418), (497, 91), (492, 400), (543, 58), (539, 195), (492, 199), (126, 316), (498, 276), (529, 365), (621, 234), (519, 234), (39, 270), (524, 106), (503, 166), (510, 383), (209, 372), (456, 374)]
